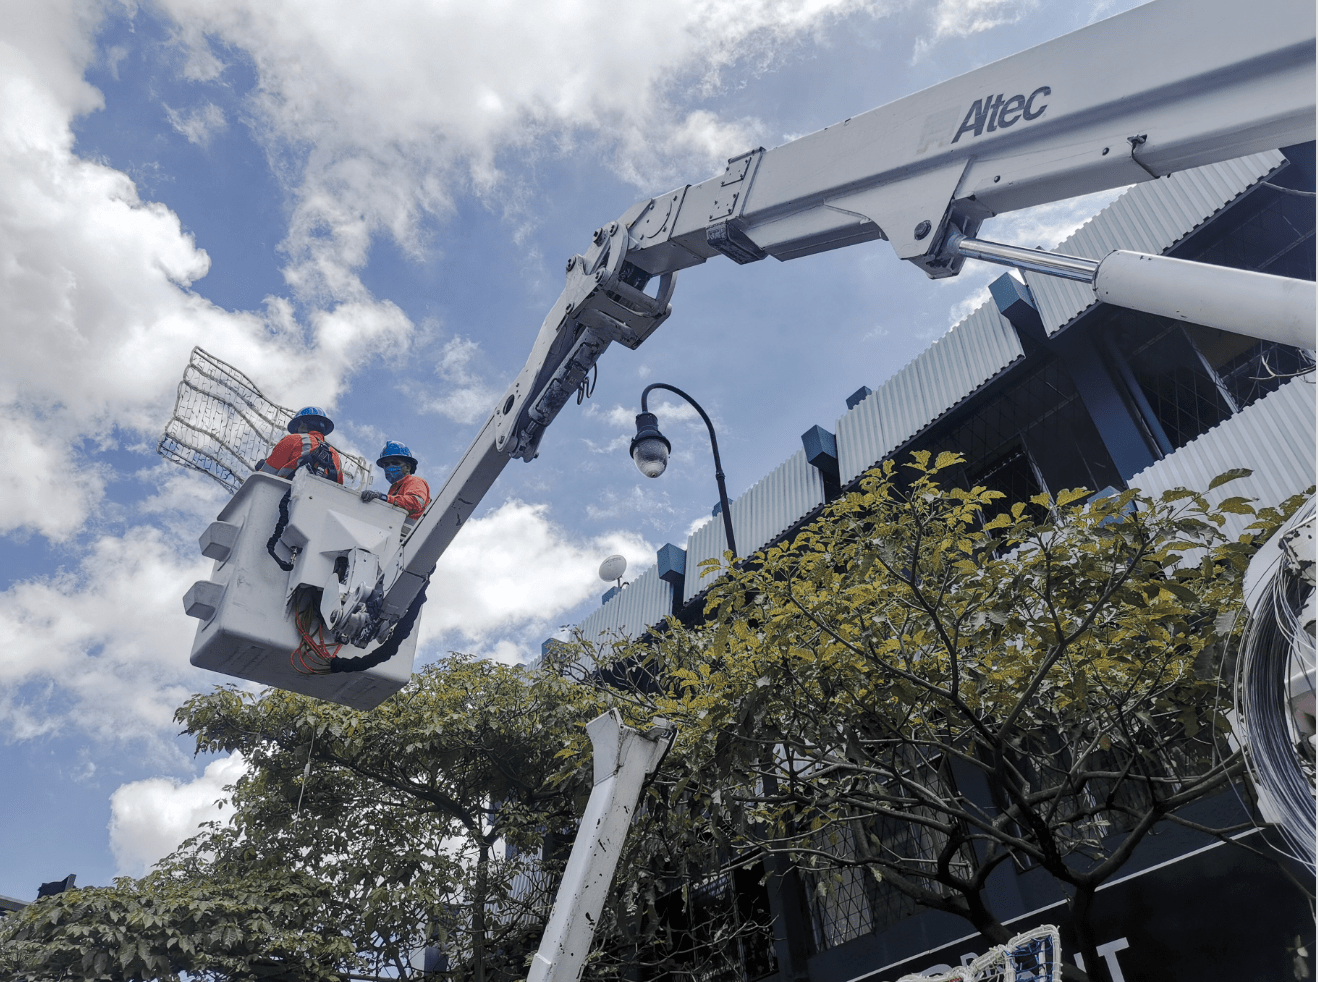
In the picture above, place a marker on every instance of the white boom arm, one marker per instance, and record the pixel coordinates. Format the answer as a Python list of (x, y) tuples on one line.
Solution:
[(624, 759), (1166, 86)]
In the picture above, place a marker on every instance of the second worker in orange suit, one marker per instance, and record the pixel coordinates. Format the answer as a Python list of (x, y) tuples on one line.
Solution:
[(406, 490)]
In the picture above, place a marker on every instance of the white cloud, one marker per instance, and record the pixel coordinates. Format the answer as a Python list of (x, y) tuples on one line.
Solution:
[(963, 309), (645, 503), (184, 501), (466, 397), (393, 110), (39, 489), (699, 523), (104, 647), (959, 18), (515, 568), (200, 124), (624, 417), (149, 819), (1045, 226), (96, 312), (616, 416)]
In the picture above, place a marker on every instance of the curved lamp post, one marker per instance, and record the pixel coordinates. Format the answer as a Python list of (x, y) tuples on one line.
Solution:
[(650, 451)]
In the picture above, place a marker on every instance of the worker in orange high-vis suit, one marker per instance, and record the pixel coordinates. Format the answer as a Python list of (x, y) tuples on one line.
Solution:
[(406, 490), (305, 445)]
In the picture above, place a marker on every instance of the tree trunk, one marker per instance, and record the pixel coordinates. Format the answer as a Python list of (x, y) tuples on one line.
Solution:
[(986, 923), (479, 893), (1080, 907)]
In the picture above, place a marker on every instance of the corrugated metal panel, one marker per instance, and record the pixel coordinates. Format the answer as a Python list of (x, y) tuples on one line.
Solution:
[(778, 501), (972, 353), (1274, 437), (1149, 217), (646, 602)]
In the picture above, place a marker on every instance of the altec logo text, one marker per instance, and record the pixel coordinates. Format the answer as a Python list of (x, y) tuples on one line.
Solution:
[(998, 112)]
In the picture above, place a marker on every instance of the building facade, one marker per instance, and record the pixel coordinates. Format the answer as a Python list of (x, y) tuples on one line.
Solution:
[(1041, 389)]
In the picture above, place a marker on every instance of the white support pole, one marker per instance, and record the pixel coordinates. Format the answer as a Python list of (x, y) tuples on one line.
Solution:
[(1274, 308), (624, 758)]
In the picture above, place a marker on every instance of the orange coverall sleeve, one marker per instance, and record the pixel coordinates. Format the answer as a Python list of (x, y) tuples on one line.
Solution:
[(411, 493), (283, 459)]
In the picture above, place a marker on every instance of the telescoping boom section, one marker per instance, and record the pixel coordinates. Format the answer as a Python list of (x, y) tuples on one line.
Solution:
[(1169, 85)]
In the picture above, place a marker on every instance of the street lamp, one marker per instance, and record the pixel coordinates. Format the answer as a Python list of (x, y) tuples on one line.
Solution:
[(650, 449)]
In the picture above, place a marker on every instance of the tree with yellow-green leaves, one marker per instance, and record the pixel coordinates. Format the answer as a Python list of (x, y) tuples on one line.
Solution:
[(927, 684), (353, 839), (442, 819)]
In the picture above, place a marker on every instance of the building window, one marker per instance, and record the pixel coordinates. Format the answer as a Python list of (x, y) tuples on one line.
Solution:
[(1013, 474), (1032, 435), (1182, 394), (847, 900), (1249, 369), (1266, 230)]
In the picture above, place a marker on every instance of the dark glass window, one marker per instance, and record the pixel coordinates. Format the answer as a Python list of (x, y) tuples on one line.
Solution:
[(718, 929), (1184, 395), (1030, 436), (1013, 474), (1249, 369), (1267, 230)]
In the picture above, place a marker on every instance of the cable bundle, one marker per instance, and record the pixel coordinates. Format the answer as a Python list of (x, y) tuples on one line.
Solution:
[(1279, 756), (312, 655)]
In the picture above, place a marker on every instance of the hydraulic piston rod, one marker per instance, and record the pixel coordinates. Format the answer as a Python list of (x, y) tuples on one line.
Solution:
[(1032, 260), (1259, 305)]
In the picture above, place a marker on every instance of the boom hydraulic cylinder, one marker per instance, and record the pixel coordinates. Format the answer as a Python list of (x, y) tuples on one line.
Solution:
[(624, 758)]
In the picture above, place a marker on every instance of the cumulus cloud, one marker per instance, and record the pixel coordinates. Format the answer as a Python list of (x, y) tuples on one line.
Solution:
[(392, 111), (383, 116), (515, 568), (149, 819), (103, 647), (97, 314)]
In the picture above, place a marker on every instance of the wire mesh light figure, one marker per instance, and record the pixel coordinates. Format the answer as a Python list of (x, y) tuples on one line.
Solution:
[(223, 426)]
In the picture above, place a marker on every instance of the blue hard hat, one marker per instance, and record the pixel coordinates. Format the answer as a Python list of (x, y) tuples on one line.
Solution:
[(315, 417), (395, 449)]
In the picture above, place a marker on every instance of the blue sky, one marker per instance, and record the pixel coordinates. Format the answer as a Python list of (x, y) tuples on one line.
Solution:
[(368, 207)]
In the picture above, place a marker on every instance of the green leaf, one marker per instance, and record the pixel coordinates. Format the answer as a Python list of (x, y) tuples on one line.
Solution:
[(1234, 474)]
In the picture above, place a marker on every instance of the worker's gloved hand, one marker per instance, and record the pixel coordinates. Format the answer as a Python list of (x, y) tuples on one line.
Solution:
[(373, 495)]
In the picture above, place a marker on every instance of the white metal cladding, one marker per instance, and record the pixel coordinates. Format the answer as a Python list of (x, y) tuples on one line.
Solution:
[(1150, 217), (971, 354), (630, 612), (779, 500), (1274, 437)]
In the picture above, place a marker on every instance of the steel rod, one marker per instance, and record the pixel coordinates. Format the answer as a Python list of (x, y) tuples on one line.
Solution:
[(1034, 260)]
